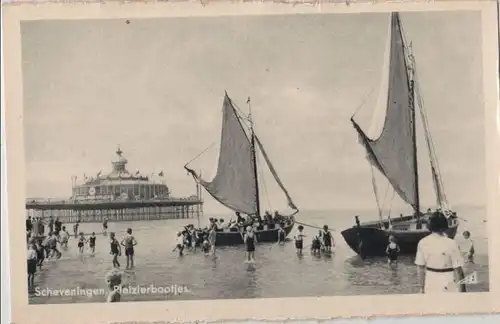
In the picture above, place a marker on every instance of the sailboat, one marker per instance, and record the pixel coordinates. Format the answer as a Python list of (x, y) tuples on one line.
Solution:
[(394, 155), (236, 183)]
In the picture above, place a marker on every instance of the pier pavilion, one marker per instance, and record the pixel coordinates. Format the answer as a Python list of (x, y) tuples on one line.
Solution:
[(118, 196)]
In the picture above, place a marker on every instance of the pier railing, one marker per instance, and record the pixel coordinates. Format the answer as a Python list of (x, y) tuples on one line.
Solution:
[(115, 210)]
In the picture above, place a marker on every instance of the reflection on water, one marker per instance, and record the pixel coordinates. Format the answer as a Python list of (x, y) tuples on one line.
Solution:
[(277, 272)]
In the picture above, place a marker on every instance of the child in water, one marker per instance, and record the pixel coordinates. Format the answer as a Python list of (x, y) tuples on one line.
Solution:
[(114, 280), (64, 237), (81, 242), (281, 236), (327, 239), (468, 247), (40, 250), (299, 239), (316, 244), (92, 243), (250, 239), (129, 242), (205, 246), (180, 243), (32, 262), (392, 250), (116, 250)]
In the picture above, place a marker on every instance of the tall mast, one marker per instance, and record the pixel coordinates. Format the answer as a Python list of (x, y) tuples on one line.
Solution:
[(254, 158), (411, 74)]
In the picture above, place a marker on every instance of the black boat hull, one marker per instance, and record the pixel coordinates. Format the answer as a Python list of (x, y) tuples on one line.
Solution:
[(371, 239), (227, 238)]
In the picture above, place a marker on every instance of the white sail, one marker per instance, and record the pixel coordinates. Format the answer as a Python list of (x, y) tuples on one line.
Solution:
[(393, 152)]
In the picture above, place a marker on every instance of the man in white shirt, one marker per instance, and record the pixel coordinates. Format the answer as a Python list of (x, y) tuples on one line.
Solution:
[(440, 263)]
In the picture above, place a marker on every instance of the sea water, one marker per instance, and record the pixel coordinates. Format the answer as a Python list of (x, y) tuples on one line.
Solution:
[(160, 274)]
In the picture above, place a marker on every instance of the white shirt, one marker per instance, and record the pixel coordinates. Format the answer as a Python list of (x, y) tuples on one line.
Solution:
[(438, 252), (180, 240), (32, 255), (299, 236)]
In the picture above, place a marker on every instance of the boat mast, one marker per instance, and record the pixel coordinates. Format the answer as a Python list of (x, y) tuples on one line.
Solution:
[(411, 78), (254, 158)]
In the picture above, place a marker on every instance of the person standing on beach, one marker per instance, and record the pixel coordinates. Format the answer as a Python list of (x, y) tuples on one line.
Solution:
[(129, 242), (439, 261), (116, 250), (51, 224)]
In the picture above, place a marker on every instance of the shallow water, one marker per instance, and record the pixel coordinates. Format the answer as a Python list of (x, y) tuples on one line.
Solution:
[(277, 272)]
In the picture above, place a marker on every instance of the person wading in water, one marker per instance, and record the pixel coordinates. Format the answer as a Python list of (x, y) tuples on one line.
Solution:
[(392, 250), (250, 239), (129, 242), (440, 263), (327, 239), (299, 239), (281, 236), (116, 250)]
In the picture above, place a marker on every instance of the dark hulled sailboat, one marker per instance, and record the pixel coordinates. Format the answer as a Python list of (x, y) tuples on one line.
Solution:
[(394, 155), (236, 183)]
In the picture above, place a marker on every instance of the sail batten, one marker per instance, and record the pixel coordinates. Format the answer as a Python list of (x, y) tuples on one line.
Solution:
[(393, 153), (234, 183)]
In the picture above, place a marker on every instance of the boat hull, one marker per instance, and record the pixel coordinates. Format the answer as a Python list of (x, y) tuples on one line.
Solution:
[(371, 239), (227, 238)]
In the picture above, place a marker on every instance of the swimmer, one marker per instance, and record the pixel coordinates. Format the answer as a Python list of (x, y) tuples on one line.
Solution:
[(81, 242), (116, 250), (40, 250), (92, 243), (299, 239), (32, 261), (250, 239), (392, 250), (212, 237), (281, 236), (114, 280), (205, 247), (105, 225), (75, 228), (129, 242), (316, 244), (53, 245), (327, 239), (64, 237), (180, 243)]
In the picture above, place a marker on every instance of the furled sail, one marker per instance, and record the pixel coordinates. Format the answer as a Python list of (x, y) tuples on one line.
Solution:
[(275, 174), (392, 153), (234, 183)]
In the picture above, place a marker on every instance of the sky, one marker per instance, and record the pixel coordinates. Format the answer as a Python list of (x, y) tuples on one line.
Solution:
[(156, 87)]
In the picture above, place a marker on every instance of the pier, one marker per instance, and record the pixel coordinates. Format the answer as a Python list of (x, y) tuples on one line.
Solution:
[(137, 210), (118, 196)]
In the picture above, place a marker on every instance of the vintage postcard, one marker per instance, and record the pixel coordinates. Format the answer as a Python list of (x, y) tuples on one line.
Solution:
[(180, 162)]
